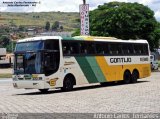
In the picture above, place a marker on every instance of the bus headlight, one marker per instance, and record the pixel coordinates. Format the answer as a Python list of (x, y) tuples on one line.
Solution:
[(37, 78)]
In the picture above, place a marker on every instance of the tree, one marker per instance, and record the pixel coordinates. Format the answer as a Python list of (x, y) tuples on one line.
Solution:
[(12, 23), (4, 41), (76, 32), (22, 28), (11, 46), (124, 21), (55, 25), (61, 28), (47, 27)]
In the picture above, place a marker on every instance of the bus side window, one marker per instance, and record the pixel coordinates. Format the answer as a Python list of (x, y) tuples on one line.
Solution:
[(52, 45), (90, 48), (106, 48), (130, 47), (83, 48), (66, 48), (74, 48), (138, 49), (119, 48), (145, 49), (100, 48), (109, 50), (113, 49), (127, 48)]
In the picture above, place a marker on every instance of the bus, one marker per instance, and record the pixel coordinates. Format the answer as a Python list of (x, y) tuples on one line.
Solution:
[(49, 62)]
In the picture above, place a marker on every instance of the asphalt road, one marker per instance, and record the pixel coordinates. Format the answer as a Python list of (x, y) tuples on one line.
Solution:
[(142, 97)]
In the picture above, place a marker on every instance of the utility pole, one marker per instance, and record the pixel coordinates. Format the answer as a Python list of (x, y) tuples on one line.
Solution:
[(84, 2)]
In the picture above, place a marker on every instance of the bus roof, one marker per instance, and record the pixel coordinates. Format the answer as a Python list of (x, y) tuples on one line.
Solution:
[(39, 38), (109, 39), (88, 38)]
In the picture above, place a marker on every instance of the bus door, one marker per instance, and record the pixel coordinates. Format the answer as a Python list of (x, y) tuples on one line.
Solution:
[(51, 62)]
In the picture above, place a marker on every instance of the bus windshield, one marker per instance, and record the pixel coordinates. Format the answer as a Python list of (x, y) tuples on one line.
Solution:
[(28, 63), (28, 57), (30, 46), (37, 57)]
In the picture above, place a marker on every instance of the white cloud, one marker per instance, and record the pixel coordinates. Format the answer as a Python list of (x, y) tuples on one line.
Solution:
[(145, 2), (73, 5), (58, 5), (157, 15), (94, 3)]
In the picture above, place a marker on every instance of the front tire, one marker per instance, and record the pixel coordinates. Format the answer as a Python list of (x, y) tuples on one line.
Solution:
[(68, 84), (43, 90)]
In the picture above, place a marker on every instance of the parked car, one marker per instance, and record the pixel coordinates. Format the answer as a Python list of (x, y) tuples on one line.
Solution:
[(154, 62), (6, 60)]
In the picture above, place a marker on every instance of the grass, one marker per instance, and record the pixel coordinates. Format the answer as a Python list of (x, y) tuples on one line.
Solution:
[(159, 63), (6, 75)]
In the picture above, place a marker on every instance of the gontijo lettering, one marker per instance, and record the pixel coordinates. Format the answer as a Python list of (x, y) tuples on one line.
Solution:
[(120, 60)]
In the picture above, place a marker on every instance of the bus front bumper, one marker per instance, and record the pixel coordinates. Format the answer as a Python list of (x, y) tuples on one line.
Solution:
[(31, 84)]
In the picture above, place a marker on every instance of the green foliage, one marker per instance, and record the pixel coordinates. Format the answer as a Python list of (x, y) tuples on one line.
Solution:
[(124, 21), (76, 33), (77, 20), (55, 25), (12, 23), (11, 46), (61, 28), (47, 26), (4, 41), (4, 31), (22, 28)]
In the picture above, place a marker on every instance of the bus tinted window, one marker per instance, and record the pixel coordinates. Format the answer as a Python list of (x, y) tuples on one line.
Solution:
[(66, 48), (52, 44), (87, 48), (119, 48), (145, 49), (127, 48), (74, 48), (115, 49), (70, 47), (138, 49), (90, 48), (83, 48), (100, 48)]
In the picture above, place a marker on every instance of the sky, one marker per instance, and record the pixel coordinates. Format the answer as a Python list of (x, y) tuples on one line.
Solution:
[(67, 5)]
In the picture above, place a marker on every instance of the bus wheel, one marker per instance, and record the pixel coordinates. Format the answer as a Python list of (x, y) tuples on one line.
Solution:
[(127, 77), (68, 83), (43, 90), (135, 76)]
